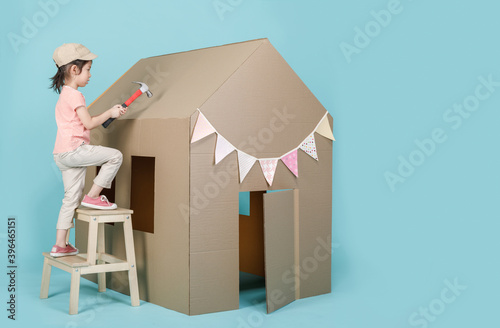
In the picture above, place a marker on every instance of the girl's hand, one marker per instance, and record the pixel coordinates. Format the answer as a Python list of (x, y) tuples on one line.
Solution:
[(117, 111), (91, 122)]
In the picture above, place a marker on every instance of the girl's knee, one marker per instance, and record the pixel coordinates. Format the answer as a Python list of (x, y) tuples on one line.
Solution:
[(118, 158)]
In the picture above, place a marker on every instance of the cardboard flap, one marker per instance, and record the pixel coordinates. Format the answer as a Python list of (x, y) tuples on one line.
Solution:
[(279, 241)]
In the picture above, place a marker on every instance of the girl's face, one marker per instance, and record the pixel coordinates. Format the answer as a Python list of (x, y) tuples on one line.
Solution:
[(80, 79)]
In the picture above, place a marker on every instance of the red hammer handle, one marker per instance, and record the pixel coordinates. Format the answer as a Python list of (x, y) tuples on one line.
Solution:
[(132, 98), (125, 104)]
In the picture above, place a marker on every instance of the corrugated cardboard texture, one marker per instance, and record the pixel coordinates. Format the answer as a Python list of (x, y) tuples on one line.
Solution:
[(180, 82), (214, 286), (315, 213), (279, 241), (214, 230), (252, 236), (166, 252)]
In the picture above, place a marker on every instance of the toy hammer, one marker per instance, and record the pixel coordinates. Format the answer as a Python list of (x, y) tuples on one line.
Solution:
[(144, 88)]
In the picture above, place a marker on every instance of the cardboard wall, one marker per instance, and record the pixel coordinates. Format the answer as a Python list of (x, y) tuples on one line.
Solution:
[(214, 211), (162, 257), (315, 219)]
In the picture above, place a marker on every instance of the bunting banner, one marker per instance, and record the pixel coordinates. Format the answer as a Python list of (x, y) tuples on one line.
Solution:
[(268, 166)]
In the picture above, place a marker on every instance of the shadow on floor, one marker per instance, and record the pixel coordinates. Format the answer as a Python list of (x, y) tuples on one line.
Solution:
[(252, 290)]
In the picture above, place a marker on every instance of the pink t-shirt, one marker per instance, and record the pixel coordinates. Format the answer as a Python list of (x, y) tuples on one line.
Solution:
[(71, 132)]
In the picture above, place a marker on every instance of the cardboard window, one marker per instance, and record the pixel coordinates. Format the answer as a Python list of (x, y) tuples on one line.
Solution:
[(142, 193)]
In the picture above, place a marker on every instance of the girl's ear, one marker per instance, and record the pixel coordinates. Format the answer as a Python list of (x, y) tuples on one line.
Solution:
[(73, 70)]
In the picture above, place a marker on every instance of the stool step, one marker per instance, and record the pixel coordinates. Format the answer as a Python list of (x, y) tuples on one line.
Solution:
[(73, 261), (94, 212), (80, 260)]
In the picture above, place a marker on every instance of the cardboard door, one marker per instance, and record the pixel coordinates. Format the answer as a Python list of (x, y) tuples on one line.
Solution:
[(279, 244)]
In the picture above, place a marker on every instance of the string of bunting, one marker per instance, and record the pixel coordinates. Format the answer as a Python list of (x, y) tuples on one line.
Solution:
[(223, 148)]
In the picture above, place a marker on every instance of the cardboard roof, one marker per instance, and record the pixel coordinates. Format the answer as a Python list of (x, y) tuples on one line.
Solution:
[(180, 82), (232, 85)]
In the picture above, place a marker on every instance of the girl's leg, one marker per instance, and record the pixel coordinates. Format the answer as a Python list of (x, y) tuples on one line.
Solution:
[(109, 159), (61, 237), (95, 191), (73, 168), (74, 181), (108, 170)]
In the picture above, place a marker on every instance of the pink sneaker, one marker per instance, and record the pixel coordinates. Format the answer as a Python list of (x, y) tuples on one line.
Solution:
[(63, 251), (100, 203)]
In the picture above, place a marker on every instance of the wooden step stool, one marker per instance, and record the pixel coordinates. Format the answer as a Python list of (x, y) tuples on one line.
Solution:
[(95, 260)]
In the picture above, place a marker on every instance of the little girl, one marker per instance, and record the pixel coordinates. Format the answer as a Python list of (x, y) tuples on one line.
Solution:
[(72, 150)]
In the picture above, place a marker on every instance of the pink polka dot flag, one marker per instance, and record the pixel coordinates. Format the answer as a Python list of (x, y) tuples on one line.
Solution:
[(309, 146)]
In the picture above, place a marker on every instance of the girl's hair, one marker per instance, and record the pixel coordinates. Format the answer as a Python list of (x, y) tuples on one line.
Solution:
[(58, 79)]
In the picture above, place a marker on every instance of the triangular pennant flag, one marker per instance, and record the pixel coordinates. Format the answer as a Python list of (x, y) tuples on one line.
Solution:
[(269, 168), (290, 160), (202, 128), (222, 149), (309, 146), (324, 128), (245, 163)]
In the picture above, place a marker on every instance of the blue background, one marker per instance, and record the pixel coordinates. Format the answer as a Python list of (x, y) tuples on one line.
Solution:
[(396, 251)]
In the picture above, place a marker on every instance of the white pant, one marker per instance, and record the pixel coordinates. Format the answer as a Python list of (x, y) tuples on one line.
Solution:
[(73, 166)]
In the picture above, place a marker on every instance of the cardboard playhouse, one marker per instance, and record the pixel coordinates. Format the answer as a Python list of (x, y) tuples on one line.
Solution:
[(222, 120)]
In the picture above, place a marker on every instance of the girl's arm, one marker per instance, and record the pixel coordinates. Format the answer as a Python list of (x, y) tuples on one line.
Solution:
[(91, 122)]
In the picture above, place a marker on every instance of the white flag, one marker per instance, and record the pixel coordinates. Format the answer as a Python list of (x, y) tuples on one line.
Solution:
[(222, 149), (202, 128), (245, 163)]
